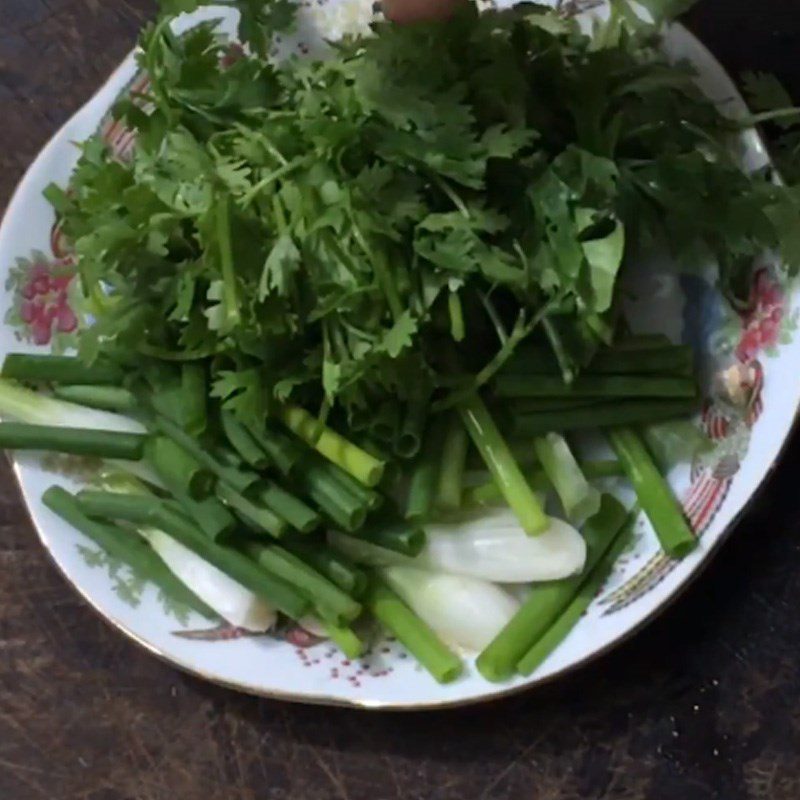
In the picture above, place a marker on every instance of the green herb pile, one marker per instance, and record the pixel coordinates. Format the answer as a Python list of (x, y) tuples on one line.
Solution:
[(319, 284)]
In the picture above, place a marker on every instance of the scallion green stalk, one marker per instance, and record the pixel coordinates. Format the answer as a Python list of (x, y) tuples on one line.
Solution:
[(578, 497), (487, 438), (654, 493), (352, 459), (570, 616), (413, 633), (74, 441), (59, 369), (547, 600)]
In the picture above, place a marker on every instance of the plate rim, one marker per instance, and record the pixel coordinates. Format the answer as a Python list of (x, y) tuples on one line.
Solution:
[(326, 700)]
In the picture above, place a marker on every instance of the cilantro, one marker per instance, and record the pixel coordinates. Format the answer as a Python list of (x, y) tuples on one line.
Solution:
[(329, 233)]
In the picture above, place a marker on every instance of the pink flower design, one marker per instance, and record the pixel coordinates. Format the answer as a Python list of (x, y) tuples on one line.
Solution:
[(43, 304), (761, 323)]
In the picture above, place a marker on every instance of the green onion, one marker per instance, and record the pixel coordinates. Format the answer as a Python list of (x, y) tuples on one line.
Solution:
[(413, 633), (334, 566), (624, 386), (408, 441), (453, 462), (59, 369), (329, 600), (260, 518), (352, 459), (654, 493), (400, 536), (108, 398), (75, 441), (345, 639), (602, 415), (546, 600), (160, 515), (317, 483), (579, 499), (570, 616), (424, 481), (287, 506), (243, 442), (661, 360), (177, 469), (283, 451), (209, 513), (486, 437), (125, 547), (368, 498), (180, 396), (488, 494), (237, 479)]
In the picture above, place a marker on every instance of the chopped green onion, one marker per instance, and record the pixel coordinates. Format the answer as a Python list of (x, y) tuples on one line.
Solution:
[(570, 616), (177, 469), (546, 600), (501, 464), (237, 479), (59, 369), (287, 506), (75, 441), (282, 450), (108, 398), (243, 442), (654, 493), (125, 546), (334, 566), (257, 516), (601, 415), (424, 480), (413, 633), (351, 458), (488, 494), (623, 386), (327, 598), (453, 462), (345, 639), (578, 497)]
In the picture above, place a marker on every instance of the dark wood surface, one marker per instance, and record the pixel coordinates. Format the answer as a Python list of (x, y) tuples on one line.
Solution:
[(704, 704)]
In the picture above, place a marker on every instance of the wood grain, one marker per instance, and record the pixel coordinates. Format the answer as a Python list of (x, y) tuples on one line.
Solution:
[(704, 704)]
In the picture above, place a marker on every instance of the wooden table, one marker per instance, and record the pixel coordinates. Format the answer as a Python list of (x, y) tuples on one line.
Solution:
[(704, 704)]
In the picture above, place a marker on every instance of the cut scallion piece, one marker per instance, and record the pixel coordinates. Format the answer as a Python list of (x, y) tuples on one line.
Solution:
[(654, 493), (351, 458), (487, 438), (74, 441), (413, 633)]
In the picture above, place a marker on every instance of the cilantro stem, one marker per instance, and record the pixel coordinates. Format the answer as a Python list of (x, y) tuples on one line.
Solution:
[(230, 292), (457, 330), (275, 175)]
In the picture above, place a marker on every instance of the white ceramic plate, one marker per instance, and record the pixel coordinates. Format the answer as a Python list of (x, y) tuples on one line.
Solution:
[(760, 350)]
